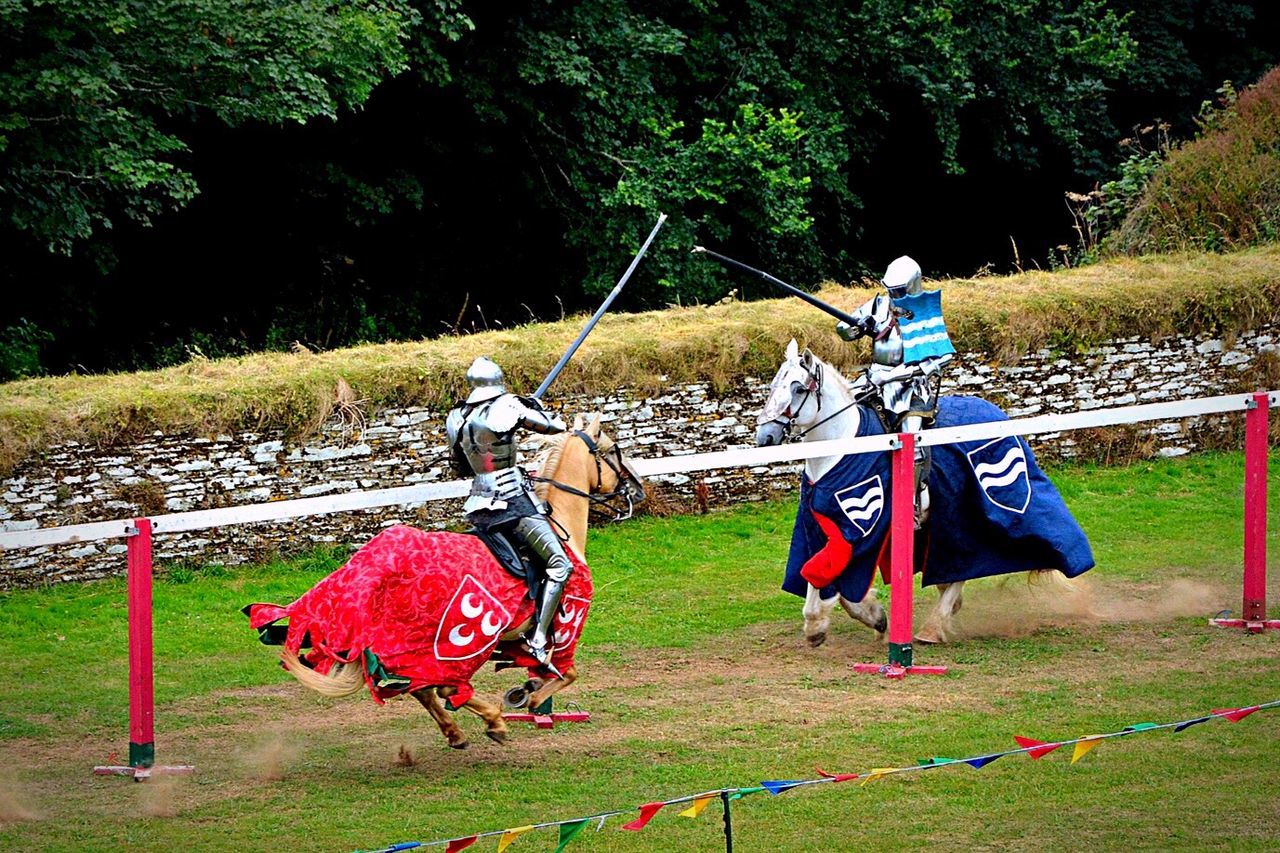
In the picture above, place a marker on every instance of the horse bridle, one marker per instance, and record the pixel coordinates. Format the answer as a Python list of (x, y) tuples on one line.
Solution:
[(608, 500), (788, 419)]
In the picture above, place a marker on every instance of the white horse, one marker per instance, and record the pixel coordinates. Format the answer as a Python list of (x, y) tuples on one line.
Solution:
[(811, 396)]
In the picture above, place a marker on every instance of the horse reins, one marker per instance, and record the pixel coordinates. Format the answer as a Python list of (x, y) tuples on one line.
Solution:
[(602, 499)]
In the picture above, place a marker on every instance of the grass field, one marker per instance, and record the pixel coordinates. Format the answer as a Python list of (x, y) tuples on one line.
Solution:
[(697, 677)]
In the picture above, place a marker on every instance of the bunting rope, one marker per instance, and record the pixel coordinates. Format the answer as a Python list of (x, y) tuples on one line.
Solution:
[(570, 828)]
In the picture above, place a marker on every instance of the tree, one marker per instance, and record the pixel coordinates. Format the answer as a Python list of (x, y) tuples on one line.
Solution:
[(96, 96), (752, 120)]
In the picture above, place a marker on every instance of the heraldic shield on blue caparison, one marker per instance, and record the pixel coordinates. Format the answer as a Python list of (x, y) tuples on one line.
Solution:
[(993, 511), (924, 335)]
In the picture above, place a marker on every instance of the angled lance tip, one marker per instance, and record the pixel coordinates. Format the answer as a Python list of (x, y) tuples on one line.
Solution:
[(778, 283), (595, 318)]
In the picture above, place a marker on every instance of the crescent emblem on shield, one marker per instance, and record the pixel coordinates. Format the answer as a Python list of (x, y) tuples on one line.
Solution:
[(490, 625), (470, 610), (461, 638)]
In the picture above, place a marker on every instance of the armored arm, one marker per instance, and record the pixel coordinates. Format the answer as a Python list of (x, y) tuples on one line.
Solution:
[(932, 365), (534, 418), (865, 322), (453, 431)]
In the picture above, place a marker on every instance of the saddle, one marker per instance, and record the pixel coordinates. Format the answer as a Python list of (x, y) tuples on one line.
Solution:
[(513, 555)]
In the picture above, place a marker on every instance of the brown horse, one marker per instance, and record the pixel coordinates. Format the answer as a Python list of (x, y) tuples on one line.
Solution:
[(419, 613)]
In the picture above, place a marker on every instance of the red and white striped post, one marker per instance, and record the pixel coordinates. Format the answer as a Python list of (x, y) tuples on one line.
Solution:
[(1254, 607), (142, 709), (902, 532)]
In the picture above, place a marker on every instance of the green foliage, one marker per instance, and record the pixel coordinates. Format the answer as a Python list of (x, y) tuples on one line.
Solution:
[(1219, 192), (96, 96), (20, 350), (748, 122), (1033, 63)]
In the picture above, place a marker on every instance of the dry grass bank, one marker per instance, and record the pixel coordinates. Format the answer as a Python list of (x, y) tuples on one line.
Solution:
[(1002, 316)]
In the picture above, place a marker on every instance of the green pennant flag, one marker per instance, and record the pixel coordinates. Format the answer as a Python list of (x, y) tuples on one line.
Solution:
[(1139, 727), (742, 792), (569, 831), (936, 761)]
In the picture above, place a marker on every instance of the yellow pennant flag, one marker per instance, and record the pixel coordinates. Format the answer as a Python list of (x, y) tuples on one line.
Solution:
[(698, 805), (511, 835), (1083, 746), (877, 773)]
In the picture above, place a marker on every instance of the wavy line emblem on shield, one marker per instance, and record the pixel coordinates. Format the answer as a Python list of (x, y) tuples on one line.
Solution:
[(472, 623), (862, 503), (1000, 466)]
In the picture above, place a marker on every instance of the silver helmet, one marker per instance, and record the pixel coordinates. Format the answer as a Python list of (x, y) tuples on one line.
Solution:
[(902, 278), (485, 378)]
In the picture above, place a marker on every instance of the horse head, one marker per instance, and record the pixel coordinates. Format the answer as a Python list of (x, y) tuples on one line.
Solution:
[(611, 483), (795, 397)]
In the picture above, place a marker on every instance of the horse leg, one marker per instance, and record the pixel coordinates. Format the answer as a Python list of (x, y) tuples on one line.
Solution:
[(817, 616), (937, 628), (552, 687), (448, 727), (868, 611), (491, 713)]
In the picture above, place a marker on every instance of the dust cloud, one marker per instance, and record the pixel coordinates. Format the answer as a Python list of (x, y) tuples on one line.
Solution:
[(1017, 607), (268, 759), (13, 804)]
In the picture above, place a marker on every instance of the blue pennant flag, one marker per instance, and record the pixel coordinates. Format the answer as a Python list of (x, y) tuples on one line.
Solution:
[(779, 786), (982, 761)]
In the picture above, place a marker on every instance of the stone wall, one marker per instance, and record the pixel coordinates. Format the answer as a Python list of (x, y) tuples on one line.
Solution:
[(75, 483)]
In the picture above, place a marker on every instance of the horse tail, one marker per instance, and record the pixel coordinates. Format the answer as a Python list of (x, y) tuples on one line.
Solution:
[(343, 680)]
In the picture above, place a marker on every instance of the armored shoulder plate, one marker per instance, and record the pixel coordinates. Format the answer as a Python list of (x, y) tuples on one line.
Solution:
[(504, 413)]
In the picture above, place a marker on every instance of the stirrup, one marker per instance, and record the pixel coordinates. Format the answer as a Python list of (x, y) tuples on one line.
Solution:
[(543, 657)]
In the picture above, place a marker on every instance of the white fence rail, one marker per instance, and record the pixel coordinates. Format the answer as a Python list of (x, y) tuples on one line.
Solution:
[(289, 509)]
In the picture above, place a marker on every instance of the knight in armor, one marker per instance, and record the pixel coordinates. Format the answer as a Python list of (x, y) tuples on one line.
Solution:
[(909, 347), (482, 442)]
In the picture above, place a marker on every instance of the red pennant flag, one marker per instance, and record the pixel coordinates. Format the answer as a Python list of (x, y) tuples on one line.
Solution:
[(647, 811), (1235, 715), (1042, 748), (837, 777), (460, 844)]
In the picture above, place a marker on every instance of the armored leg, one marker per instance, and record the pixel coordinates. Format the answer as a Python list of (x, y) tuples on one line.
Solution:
[(541, 537), (923, 462)]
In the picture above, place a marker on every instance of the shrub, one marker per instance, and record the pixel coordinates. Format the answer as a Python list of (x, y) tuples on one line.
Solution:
[(1218, 192), (20, 350)]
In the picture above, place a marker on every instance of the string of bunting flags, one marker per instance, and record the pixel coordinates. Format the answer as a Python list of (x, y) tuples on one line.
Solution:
[(695, 804)]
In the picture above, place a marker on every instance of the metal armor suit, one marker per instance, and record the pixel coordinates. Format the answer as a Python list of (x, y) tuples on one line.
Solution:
[(905, 389), (482, 442)]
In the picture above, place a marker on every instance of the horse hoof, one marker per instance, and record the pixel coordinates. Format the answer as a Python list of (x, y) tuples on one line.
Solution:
[(816, 640), (927, 640), (462, 744), (497, 735), (882, 625), (514, 699)]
